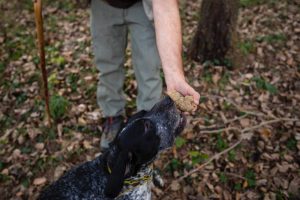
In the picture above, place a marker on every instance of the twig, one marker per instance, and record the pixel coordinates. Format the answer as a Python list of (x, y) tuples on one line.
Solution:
[(267, 123), (236, 119), (242, 137), (234, 175), (250, 128), (221, 130), (212, 127), (238, 107), (206, 163), (216, 156), (244, 131)]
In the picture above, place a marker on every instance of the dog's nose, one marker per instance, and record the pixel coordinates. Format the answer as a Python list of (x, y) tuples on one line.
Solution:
[(165, 104), (167, 101)]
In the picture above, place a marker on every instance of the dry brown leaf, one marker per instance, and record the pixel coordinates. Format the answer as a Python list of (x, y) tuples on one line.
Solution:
[(39, 146), (5, 172), (82, 121), (294, 187), (33, 132), (81, 108), (245, 122), (59, 130), (87, 144), (175, 186), (216, 77), (245, 184), (265, 133), (39, 181), (59, 170)]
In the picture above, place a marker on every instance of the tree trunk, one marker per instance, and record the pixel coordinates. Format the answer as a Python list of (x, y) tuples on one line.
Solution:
[(215, 31)]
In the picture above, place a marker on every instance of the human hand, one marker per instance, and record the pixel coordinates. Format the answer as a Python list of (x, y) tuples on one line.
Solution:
[(180, 85)]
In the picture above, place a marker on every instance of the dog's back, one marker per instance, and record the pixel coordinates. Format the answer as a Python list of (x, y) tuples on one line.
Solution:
[(86, 181)]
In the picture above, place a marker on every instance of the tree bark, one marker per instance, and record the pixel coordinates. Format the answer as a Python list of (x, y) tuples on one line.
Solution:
[(215, 31)]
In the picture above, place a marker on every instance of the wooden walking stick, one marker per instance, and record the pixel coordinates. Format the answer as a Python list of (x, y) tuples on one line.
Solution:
[(41, 46)]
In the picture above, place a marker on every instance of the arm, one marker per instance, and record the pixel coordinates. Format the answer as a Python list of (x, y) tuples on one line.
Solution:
[(169, 42)]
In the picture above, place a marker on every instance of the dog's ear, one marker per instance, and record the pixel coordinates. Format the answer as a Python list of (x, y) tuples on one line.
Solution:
[(147, 148), (116, 179), (138, 138), (141, 140), (137, 115)]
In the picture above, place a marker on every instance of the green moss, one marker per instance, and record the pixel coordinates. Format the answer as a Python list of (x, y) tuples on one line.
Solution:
[(250, 177), (58, 107), (261, 83), (246, 47), (272, 38), (179, 142), (221, 144)]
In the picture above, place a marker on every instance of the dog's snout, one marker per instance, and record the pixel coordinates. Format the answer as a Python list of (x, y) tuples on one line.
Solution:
[(167, 102), (168, 120)]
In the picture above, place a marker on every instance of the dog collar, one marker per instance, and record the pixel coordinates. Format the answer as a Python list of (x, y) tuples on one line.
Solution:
[(142, 177)]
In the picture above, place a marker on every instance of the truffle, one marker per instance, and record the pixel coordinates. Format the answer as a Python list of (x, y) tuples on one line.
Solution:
[(185, 104)]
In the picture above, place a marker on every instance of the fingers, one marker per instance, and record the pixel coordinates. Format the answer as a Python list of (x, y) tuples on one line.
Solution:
[(194, 93), (183, 88)]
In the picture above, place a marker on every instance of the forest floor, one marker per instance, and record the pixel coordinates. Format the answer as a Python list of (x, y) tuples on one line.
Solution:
[(242, 143)]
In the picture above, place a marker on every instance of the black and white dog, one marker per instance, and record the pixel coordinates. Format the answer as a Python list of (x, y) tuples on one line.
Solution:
[(124, 171)]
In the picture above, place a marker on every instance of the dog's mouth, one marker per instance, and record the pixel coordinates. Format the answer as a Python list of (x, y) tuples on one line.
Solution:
[(182, 120), (181, 124)]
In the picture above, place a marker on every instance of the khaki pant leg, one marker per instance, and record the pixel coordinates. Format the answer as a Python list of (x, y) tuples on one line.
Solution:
[(109, 38), (145, 57)]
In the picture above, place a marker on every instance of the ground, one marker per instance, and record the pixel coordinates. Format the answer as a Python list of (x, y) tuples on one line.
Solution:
[(243, 142)]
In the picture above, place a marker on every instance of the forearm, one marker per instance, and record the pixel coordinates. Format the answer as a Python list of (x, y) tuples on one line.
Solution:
[(169, 43), (168, 37)]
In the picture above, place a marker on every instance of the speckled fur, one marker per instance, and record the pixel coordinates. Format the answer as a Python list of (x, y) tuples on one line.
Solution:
[(88, 181)]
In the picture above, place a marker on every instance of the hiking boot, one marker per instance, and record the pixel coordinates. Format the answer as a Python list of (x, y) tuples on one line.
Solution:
[(111, 127)]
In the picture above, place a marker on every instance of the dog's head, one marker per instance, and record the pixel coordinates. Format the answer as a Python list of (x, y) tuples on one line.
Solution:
[(142, 138)]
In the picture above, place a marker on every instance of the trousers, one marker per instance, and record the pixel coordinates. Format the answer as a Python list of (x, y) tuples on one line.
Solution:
[(110, 28)]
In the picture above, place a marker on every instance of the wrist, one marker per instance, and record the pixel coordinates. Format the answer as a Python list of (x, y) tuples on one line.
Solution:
[(173, 73), (173, 81)]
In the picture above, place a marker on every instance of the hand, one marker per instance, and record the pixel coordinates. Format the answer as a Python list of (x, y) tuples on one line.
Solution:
[(180, 85)]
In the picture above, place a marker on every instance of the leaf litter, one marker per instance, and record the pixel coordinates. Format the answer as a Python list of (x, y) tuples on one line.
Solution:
[(241, 143)]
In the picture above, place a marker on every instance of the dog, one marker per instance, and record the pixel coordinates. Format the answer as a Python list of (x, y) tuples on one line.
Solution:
[(124, 171)]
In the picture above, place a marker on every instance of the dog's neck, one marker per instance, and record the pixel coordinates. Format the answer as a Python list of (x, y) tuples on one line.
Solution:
[(132, 169), (135, 176)]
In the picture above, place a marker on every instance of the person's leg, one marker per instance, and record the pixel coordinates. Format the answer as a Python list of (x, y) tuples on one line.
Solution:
[(145, 57), (109, 38)]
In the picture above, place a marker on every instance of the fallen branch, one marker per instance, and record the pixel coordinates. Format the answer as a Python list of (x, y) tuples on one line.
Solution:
[(210, 160), (243, 136), (238, 107), (244, 131), (237, 119), (250, 128), (268, 122)]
